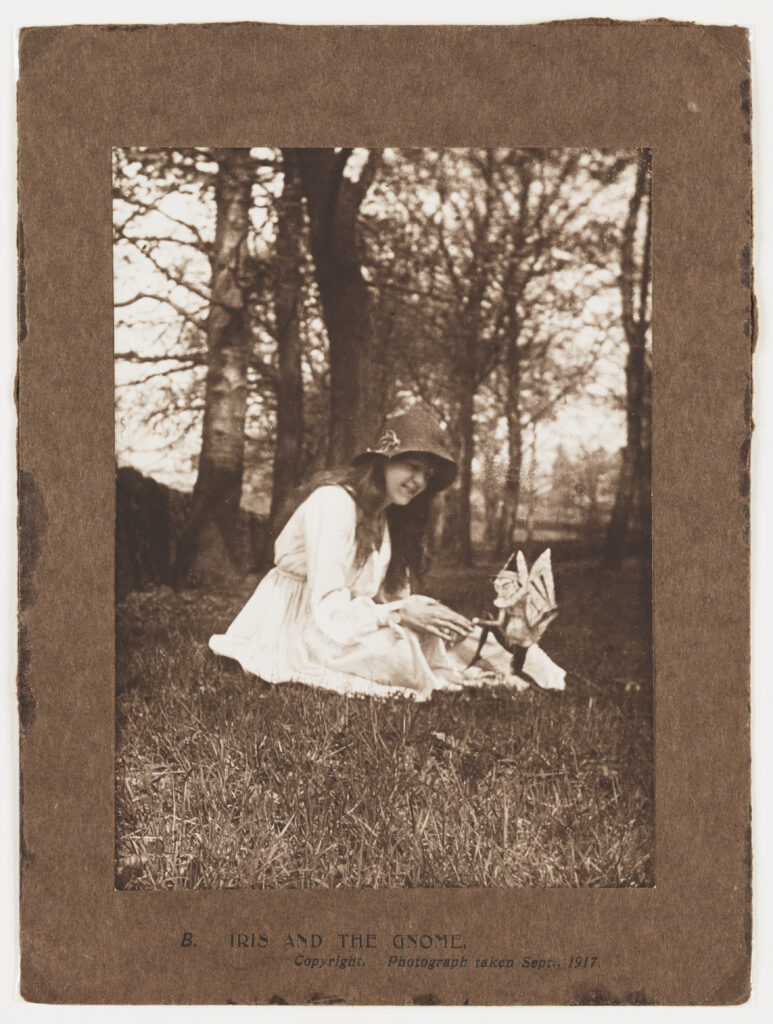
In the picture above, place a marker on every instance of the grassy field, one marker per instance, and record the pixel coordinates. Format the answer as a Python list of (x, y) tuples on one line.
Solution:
[(223, 781)]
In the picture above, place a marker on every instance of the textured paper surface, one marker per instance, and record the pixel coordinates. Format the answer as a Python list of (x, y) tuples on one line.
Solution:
[(683, 91)]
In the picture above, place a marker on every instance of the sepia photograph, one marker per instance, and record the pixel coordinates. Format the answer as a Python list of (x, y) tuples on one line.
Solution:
[(383, 518), (384, 514)]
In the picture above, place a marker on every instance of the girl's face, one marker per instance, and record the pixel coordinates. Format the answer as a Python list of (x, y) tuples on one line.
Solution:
[(405, 477)]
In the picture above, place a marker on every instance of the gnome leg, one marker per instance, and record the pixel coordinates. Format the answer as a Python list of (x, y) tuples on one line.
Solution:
[(543, 670)]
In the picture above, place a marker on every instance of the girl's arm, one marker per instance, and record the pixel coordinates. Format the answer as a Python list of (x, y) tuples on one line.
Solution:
[(330, 523)]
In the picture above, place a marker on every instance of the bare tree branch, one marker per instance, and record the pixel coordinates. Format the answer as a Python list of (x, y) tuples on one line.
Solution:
[(185, 314), (144, 208), (159, 373), (165, 270)]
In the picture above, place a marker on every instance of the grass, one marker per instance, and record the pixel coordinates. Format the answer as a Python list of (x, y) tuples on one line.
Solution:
[(223, 781)]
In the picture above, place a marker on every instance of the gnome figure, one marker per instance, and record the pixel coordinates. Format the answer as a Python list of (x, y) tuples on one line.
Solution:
[(527, 605)]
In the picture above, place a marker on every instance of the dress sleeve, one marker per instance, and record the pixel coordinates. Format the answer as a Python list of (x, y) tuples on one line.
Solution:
[(330, 523)]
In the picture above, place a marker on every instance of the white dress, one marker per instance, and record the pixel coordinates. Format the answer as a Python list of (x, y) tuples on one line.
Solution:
[(317, 619)]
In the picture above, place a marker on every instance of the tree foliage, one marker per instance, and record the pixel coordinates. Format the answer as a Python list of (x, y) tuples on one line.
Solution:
[(486, 285)]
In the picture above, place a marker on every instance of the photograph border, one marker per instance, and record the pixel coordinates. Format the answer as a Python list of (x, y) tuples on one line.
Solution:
[(681, 90)]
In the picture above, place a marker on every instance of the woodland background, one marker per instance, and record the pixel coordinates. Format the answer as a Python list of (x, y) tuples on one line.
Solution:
[(272, 306)]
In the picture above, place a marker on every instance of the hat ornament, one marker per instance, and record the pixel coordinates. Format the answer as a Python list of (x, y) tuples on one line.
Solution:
[(387, 444)]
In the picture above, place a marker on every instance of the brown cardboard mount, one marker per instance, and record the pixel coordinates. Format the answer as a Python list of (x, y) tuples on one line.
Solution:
[(681, 89)]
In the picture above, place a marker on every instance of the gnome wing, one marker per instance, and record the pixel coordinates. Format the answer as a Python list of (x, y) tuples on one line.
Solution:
[(541, 607)]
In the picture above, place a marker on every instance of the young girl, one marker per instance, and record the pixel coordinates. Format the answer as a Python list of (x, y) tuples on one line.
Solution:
[(337, 610)]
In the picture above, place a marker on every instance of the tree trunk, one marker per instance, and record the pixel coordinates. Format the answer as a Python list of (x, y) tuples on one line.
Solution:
[(492, 502), (512, 366), (465, 489), (208, 552), (618, 523), (645, 454), (512, 492), (457, 540), (635, 326), (333, 205), (289, 391)]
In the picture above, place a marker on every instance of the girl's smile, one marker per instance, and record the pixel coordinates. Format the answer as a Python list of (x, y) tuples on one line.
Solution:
[(404, 478)]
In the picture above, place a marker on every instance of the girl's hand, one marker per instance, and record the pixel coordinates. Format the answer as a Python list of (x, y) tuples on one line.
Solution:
[(429, 616)]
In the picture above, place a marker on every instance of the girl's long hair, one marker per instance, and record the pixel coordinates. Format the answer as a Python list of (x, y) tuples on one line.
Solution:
[(407, 523)]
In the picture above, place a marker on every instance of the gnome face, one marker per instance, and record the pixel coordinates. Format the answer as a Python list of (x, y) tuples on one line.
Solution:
[(508, 588)]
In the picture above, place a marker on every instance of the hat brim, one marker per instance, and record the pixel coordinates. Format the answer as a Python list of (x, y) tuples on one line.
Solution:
[(443, 470)]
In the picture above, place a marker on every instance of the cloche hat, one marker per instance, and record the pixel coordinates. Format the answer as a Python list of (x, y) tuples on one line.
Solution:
[(415, 432)]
